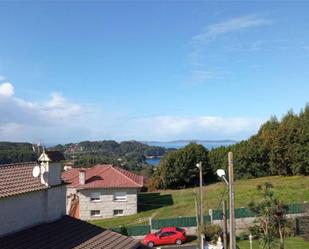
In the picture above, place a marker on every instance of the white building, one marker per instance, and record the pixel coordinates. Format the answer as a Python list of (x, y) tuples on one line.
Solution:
[(26, 200)]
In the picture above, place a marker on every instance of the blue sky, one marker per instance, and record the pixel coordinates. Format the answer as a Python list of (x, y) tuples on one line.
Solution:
[(159, 70)]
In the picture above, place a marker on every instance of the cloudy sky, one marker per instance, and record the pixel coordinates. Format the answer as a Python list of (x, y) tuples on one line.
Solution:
[(159, 70)]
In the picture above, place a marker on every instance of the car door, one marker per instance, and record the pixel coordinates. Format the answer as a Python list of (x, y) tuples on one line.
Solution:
[(163, 238), (171, 237)]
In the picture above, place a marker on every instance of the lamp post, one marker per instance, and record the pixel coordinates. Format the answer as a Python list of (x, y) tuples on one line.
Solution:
[(230, 184), (199, 165)]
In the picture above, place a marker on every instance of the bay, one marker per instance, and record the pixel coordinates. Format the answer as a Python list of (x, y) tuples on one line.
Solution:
[(182, 143)]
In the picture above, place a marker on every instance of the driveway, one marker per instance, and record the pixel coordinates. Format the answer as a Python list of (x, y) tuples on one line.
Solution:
[(191, 246)]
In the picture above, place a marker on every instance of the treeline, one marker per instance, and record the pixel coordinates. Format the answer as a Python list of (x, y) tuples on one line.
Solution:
[(281, 147), (16, 152)]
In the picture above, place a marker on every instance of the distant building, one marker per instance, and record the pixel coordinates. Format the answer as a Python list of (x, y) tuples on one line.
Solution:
[(33, 208), (102, 191)]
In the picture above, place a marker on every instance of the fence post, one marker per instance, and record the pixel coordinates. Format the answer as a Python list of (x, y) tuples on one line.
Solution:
[(150, 224), (210, 215)]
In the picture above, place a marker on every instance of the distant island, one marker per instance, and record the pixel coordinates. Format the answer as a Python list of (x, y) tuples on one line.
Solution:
[(194, 140)]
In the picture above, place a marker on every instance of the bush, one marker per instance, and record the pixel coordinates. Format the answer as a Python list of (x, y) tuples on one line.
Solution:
[(212, 232), (243, 236)]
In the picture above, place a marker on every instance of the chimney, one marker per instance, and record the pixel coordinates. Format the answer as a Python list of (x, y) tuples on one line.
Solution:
[(82, 176), (51, 167)]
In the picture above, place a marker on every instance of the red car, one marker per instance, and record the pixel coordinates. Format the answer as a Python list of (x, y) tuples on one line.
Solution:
[(166, 235)]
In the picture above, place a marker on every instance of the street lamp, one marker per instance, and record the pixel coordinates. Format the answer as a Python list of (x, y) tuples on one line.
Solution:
[(199, 166), (230, 183), (221, 174)]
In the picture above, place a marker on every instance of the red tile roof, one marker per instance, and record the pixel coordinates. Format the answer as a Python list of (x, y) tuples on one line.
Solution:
[(17, 179), (104, 176), (68, 233)]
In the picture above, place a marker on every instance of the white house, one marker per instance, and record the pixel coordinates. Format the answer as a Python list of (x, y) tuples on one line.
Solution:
[(26, 200), (102, 191)]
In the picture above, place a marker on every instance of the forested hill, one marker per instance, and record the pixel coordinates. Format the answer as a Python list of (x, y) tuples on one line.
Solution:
[(129, 154), (16, 152)]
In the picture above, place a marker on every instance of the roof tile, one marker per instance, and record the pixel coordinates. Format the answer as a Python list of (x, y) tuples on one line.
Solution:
[(104, 176), (17, 179), (67, 233)]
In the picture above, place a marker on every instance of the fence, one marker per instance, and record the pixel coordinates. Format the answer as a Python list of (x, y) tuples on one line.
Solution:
[(191, 221), (132, 230)]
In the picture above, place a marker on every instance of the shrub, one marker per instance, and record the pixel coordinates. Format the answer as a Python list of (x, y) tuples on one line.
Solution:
[(212, 232)]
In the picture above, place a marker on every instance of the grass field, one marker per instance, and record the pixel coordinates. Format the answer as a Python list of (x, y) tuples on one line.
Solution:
[(175, 203), (290, 243)]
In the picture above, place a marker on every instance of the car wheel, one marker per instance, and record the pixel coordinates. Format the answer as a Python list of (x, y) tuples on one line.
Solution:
[(178, 241), (150, 244)]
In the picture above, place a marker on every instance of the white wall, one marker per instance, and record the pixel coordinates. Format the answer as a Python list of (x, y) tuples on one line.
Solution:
[(25, 210), (107, 204)]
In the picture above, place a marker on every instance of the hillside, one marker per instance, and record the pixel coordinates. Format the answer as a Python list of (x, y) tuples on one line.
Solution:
[(174, 203), (129, 154), (11, 152)]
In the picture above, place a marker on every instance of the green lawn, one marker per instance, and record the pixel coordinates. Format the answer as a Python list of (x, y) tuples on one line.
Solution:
[(290, 243), (175, 203)]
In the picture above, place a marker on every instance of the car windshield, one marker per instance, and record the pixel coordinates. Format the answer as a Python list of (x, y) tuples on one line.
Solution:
[(179, 229), (157, 233)]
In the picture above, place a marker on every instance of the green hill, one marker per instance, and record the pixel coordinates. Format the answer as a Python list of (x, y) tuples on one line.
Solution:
[(174, 203)]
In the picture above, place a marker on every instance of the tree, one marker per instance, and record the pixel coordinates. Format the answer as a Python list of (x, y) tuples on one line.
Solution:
[(178, 169), (270, 216)]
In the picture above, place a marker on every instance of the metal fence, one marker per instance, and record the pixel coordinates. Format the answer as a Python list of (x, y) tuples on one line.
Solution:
[(132, 230), (191, 221)]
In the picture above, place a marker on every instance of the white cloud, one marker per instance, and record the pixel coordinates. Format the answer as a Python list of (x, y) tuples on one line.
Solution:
[(6, 89), (59, 107), (198, 127), (59, 120), (54, 120), (231, 25)]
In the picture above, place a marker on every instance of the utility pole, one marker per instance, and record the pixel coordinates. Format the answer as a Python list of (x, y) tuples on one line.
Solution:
[(231, 195), (196, 209), (199, 165), (224, 225)]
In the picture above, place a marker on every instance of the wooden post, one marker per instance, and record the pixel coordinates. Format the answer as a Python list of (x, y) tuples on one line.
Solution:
[(201, 193), (232, 208), (224, 225), (196, 210)]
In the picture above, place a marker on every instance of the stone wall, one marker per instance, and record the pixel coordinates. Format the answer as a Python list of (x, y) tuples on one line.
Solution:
[(107, 204)]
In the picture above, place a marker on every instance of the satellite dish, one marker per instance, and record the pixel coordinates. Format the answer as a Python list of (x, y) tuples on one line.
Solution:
[(36, 171)]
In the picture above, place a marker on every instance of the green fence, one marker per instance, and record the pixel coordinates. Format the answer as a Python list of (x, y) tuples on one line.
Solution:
[(132, 230), (295, 208), (191, 221), (178, 222)]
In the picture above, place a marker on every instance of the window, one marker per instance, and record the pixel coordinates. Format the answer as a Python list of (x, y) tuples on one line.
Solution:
[(118, 212), (164, 234), (95, 196), (120, 196), (95, 213)]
